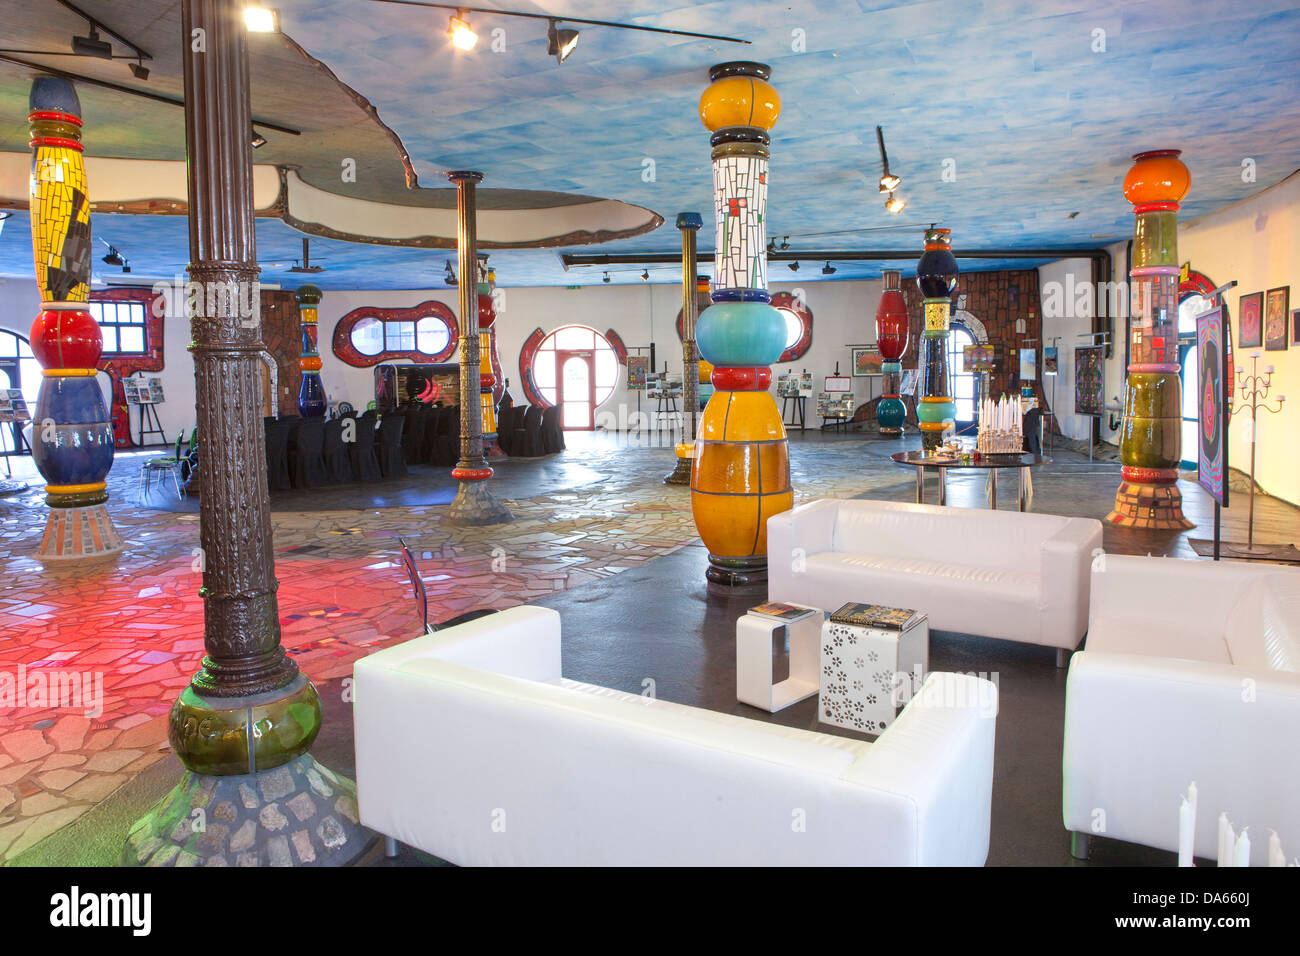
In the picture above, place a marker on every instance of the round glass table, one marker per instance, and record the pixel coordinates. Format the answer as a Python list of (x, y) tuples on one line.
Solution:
[(920, 461)]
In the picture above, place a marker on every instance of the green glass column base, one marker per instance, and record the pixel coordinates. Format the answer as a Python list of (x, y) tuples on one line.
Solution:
[(298, 814), (737, 572), (241, 735)]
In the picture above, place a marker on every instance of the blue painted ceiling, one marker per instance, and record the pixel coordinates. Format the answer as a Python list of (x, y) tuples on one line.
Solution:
[(1018, 98)]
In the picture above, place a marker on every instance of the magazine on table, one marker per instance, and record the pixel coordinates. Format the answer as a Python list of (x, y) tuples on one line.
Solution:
[(873, 615), (785, 613)]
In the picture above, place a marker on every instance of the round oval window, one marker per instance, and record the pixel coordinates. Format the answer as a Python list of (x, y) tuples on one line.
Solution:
[(368, 336)]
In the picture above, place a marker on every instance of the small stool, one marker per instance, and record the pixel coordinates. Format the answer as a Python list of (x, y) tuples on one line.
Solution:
[(754, 685), (869, 673)]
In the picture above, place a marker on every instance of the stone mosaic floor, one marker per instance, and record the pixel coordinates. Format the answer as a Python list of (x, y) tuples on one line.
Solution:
[(136, 623)]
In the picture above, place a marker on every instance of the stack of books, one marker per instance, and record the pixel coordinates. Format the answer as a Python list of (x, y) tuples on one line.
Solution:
[(785, 613), (874, 615)]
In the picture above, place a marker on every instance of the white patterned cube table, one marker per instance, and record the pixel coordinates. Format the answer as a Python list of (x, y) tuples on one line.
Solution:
[(754, 684), (869, 672)]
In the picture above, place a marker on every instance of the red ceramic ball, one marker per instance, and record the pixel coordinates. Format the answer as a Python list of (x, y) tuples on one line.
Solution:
[(66, 339), (486, 313)]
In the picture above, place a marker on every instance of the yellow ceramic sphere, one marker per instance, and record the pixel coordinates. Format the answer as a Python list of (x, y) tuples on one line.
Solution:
[(740, 101)]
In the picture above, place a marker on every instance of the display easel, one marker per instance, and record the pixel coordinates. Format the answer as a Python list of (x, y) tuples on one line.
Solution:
[(140, 393), (12, 421), (1094, 426), (638, 349), (1052, 410)]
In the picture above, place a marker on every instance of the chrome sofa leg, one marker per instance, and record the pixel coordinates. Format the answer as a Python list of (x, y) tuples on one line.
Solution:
[(390, 847), (1062, 657), (1080, 845)]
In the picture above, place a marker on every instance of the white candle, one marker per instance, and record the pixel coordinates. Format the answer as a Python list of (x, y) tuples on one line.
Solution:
[(1186, 833), (1226, 840), (1243, 849), (1275, 855)]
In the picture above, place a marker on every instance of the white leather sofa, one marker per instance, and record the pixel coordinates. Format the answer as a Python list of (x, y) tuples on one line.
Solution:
[(1191, 673), (1006, 574), (472, 746)]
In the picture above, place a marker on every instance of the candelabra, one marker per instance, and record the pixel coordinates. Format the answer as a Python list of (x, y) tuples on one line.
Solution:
[(1254, 396)]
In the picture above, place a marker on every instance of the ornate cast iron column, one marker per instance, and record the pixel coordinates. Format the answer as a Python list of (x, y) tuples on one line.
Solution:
[(243, 726), (741, 473), (311, 393), (936, 276), (1150, 445), (474, 503), (72, 435), (892, 331), (689, 223)]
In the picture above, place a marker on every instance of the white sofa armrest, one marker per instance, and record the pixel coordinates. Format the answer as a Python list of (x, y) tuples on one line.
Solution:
[(939, 755), (519, 642), (1185, 594), (1066, 559), (1139, 729), (794, 535)]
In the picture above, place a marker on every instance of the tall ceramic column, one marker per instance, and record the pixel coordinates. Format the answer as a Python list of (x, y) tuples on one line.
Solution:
[(311, 393), (473, 503), (741, 473), (689, 223), (487, 378), (1150, 446), (892, 331), (243, 726), (936, 276), (72, 434)]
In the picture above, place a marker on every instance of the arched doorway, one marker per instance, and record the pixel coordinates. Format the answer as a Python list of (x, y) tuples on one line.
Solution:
[(1193, 299), (18, 370), (966, 388), (576, 368)]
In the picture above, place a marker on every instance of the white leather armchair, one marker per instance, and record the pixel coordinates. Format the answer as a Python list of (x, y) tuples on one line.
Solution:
[(1191, 673), (472, 746), (1010, 575)]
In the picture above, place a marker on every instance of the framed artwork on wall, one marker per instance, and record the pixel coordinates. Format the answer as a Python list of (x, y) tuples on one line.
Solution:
[(1090, 380), (1251, 328), (977, 358), (867, 360), (1028, 365), (1049, 360), (1295, 326), (1276, 308)]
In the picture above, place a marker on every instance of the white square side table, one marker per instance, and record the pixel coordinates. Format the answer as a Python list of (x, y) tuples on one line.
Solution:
[(869, 673), (754, 684)]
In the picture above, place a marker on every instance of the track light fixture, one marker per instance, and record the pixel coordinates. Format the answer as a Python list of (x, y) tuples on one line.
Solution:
[(785, 243), (92, 45), (606, 278), (771, 247), (113, 257), (794, 266), (256, 139), (829, 270), (258, 19), (560, 43), (888, 181), (139, 70), (462, 34), (450, 275), (894, 204)]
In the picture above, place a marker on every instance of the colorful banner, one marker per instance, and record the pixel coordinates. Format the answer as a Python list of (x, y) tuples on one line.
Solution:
[(1215, 386)]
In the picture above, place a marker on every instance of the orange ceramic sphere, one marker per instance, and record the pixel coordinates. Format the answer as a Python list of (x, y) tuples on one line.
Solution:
[(1157, 176), (740, 101)]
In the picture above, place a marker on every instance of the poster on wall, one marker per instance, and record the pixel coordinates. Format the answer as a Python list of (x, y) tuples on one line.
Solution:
[(1251, 329), (1276, 305), (1090, 380), (907, 384), (977, 358), (839, 383), (637, 367), (1049, 360), (1295, 326), (1212, 403), (13, 407), (867, 360), (1028, 365)]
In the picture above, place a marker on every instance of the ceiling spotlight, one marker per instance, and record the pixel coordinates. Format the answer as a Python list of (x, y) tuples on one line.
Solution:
[(114, 258), (126, 265), (560, 43), (794, 266), (785, 243), (606, 279), (894, 205), (258, 19), (139, 70), (771, 246), (462, 35), (828, 270), (450, 276), (888, 181), (256, 140), (92, 45), (645, 276)]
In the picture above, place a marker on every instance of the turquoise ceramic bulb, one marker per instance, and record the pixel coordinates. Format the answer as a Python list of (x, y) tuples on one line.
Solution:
[(740, 334)]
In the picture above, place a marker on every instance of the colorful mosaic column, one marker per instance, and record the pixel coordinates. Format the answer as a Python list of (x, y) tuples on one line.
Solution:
[(245, 723), (311, 393), (892, 330), (741, 473), (1150, 445), (72, 433), (936, 276), (487, 378), (473, 504), (689, 223)]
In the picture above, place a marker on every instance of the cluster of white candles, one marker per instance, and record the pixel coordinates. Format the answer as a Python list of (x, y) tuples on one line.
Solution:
[(1234, 848), (1000, 416)]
